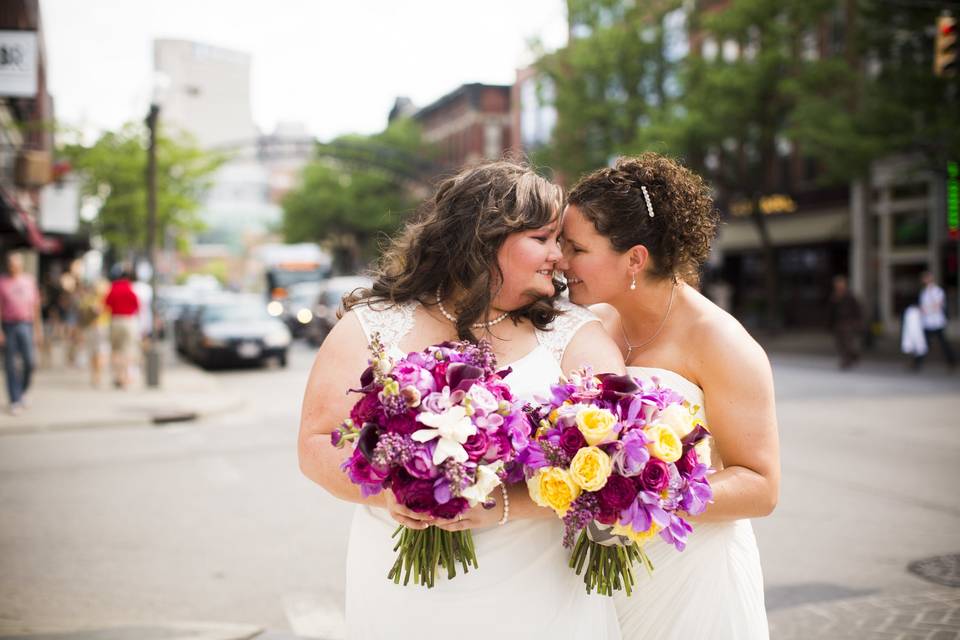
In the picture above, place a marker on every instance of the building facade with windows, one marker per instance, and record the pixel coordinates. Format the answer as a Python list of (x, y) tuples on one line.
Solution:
[(468, 125)]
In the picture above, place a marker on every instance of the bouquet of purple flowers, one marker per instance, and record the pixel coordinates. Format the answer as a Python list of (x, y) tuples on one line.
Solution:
[(616, 458), (440, 429)]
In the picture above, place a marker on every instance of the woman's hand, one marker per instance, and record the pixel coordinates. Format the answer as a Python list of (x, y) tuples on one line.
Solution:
[(476, 517), (407, 517)]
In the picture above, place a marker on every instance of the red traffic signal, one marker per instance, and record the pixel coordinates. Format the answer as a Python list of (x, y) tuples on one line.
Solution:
[(945, 48)]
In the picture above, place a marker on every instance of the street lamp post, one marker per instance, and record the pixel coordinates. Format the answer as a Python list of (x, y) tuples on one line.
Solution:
[(153, 355)]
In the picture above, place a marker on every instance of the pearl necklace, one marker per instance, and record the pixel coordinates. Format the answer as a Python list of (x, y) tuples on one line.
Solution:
[(476, 325)]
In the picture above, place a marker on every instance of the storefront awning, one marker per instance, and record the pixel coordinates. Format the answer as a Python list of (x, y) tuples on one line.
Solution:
[(22, 224), (788, 229)]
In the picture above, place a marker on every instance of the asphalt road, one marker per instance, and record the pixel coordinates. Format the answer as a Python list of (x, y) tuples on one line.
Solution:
[(212, 521)]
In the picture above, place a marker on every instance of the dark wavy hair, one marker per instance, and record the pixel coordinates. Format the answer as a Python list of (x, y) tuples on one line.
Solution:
[(452, 243), (685, 219)]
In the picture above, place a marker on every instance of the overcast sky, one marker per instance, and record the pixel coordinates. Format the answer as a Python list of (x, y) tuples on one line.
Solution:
[(335, 66)]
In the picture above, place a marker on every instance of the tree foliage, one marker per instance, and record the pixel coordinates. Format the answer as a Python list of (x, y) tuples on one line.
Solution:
[(346, 201), (113, 171), (841, 83)]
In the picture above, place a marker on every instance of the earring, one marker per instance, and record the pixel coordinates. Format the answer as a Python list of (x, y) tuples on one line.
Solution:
[(633, 283)]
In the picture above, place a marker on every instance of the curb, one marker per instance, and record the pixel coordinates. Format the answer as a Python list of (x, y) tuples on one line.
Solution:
[(172, 631), (158, 419)]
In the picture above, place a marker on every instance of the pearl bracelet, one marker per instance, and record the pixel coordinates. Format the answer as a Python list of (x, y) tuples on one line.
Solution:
[(506, 505)]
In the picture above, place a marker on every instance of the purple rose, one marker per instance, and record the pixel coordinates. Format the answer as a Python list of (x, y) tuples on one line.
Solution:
[(366, 409), (498, 446), (403, 424), (419, 497), (361, 472), (409, 374), (571, 441), (617, 494), (451, 509), (688, 462), (655, 475), (420, 465), (440, 375), (476, 445)]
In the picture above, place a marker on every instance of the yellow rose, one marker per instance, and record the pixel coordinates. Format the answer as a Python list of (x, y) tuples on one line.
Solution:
[(664, 443), (533, 488), (595, 424), (557, 489), (590, 468), (640, 538), (678, 418)]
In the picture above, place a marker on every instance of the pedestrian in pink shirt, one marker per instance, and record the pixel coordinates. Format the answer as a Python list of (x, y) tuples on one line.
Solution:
[(20, 316)]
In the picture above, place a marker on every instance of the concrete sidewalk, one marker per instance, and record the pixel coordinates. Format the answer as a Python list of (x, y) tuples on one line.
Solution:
[(62, 397)]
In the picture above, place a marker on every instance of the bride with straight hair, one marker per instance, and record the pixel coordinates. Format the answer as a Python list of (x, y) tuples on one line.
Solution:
[(635, 236), (477, 263)]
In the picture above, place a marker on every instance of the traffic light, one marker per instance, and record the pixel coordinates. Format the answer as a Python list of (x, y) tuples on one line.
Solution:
[(945, 50)]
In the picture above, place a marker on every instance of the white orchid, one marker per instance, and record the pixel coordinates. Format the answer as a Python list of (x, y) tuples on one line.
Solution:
[(487, 480), (452, 427)]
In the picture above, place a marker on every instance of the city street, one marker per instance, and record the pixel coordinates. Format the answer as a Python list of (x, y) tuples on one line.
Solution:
[(211, 521)]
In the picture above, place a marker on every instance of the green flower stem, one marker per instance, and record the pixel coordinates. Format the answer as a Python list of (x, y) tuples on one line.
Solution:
[(607, 569), (421, 552)]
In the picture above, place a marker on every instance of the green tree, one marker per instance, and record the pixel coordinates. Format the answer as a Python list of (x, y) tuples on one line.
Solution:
[(358, 189), (608, 82), (113, 170)]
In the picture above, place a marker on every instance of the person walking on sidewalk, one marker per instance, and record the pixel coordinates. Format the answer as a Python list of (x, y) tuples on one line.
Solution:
[(846, 322), (933, 305), (20, 314), (124, 328)]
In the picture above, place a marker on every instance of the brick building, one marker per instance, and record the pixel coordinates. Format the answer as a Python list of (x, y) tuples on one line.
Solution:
[(468, 125)]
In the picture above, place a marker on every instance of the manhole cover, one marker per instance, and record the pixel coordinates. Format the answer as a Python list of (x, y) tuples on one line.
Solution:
[(943, 570)]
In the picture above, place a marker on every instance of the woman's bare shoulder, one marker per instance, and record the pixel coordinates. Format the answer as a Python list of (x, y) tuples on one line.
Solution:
[(608, 314), (719, 341)]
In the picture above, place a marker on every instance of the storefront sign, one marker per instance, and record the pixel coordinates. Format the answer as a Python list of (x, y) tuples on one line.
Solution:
[(953, 206), (18, 64), (769, 205), (60, 207)]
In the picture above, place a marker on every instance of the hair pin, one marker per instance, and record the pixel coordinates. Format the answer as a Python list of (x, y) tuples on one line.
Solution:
[(646, 196)]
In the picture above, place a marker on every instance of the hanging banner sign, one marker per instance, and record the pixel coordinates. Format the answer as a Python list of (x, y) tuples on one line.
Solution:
[(18, 64)]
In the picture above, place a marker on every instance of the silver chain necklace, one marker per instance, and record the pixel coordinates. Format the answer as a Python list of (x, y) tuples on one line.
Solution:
[(476, 325), (626, 340)]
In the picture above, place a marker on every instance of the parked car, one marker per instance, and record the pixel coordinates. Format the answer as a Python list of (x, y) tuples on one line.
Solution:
[(237, 331), (299, 304), (329, 302), (185, 323)]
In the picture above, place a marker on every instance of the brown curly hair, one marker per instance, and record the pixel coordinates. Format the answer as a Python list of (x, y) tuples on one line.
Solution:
[(452, 243), (685, 220)]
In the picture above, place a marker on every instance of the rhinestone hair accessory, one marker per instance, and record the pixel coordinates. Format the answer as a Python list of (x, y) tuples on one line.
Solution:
[(646, 196)]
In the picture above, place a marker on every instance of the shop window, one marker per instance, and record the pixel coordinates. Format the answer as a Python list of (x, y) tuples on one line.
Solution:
[(911, 190), (910, 229)]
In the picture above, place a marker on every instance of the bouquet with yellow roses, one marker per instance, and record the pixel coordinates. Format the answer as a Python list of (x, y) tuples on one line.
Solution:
[(615, 457)]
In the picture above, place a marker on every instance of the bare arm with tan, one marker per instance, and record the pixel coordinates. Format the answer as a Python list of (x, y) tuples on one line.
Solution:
[(737, 382)]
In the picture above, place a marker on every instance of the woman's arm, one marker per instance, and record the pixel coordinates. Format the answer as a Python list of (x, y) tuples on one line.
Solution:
[(341, 360), (739, 400), (592, 345)]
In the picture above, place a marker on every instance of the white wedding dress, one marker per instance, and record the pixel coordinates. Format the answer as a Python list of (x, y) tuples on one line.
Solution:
[(713, 589), (523, 587)]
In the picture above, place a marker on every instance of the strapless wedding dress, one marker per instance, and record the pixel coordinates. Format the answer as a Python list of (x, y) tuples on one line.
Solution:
[(711, 590)]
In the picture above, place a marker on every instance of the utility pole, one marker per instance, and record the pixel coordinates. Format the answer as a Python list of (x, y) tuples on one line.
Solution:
[(153, 355)]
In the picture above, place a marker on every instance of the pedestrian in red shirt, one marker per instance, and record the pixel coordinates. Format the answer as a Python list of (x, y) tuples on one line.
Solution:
[(20, 313), (124, 308)]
